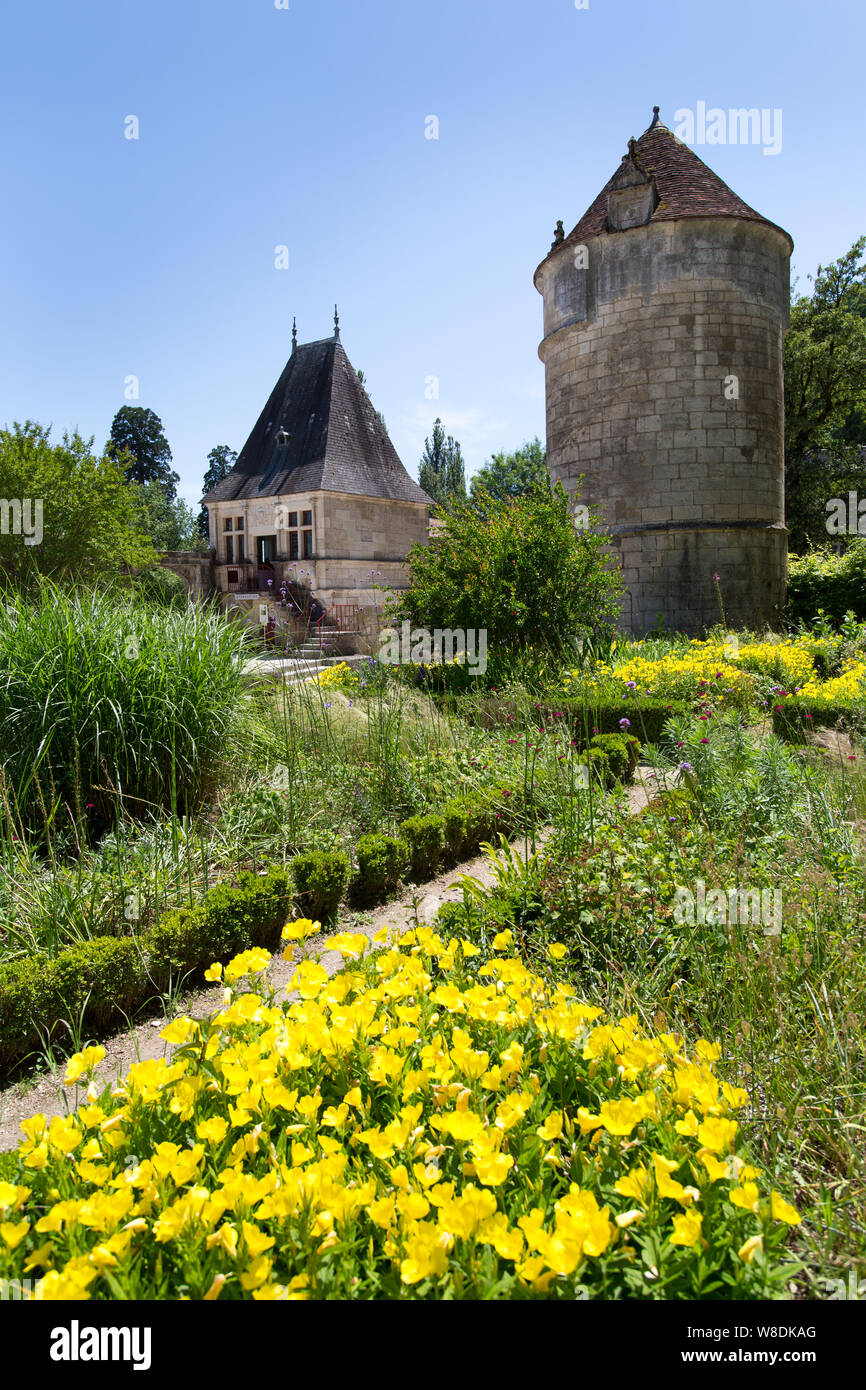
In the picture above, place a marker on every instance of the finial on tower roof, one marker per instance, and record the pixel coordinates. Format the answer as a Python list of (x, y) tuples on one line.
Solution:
[(559, 234), (655, 120), (336, 324), (294, 335)]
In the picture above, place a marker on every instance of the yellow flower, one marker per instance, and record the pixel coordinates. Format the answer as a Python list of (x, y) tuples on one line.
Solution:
[(747, 1252), (494, 1169), (745, 1196), (503, 940), (557, 951), (14, 1232), (179, 1031), (83, 1063), (783, 1211), (299, 930), (717, 1134), (687, 1229)]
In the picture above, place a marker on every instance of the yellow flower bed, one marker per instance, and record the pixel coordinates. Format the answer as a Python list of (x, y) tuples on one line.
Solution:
[(415, 1126), (704, 666), (339, 677), (849, 688)]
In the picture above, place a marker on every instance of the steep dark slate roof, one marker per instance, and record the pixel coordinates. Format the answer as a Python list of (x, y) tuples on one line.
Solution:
[(687, 187), (336, 441)]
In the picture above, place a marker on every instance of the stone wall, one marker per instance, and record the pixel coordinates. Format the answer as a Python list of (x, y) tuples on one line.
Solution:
[(664, 390), (196, 571)]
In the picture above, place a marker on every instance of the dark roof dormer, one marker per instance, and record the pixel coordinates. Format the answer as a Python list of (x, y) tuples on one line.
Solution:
[(632, 196)]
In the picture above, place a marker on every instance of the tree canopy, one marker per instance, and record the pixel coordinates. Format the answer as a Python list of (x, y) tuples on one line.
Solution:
[(91, 520), (137, 439), (513, 475), (825, 396), (220, 462), (442, 474)]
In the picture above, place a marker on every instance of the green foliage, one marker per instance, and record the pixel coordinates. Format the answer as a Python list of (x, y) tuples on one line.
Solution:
[(160, 587), (425, 839), (220, 462), (513, 475), (518, 569), (104, 700), (622, 752), (442, 474), (821, 582), (91, 521), (320, 879), (171, 523), (99, 982), (825, 396), (382, 862), (138, 441)]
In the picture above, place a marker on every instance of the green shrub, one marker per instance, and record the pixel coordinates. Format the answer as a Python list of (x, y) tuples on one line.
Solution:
[(823, 580), (382, 861), (100, 981), (480, 822), (622, 752), (425, 838), (644, 721), (598, 762), (456, 828), (518, 569), (320, 879)]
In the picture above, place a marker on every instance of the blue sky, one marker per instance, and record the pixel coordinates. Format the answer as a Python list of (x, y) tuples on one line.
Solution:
[(305, 127)]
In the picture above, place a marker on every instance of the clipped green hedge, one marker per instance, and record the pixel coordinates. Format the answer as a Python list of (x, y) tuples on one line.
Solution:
[(320, 879), (425, 839), (100, 982), (382, 862), (645, 720)]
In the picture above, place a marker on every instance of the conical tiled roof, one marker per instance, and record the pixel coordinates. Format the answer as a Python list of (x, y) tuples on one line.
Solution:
[(318, 431), (687, 187)]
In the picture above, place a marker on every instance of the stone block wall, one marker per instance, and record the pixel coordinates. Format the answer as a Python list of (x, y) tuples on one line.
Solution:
[(664, 390)]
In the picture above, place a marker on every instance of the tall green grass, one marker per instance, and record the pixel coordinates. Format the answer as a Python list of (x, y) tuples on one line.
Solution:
[(107, 704)]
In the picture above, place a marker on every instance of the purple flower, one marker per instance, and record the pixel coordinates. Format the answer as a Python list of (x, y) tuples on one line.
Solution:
[(716, 578), (625, 723), (685, 767), (631, 685)]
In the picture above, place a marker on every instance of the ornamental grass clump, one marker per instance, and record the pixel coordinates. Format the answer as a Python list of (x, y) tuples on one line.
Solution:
[(106, 702), (417, 1126)]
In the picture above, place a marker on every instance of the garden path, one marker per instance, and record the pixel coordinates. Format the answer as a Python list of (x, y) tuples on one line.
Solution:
[(47, 1095)]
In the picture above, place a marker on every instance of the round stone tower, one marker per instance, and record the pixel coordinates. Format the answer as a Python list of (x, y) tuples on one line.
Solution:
[(664, 314)]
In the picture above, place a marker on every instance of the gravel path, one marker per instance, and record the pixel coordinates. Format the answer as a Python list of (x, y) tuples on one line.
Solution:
[(45, 1093)]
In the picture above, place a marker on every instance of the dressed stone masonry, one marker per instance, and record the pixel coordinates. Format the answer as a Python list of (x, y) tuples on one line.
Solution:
[(664, 315), (318, 492)]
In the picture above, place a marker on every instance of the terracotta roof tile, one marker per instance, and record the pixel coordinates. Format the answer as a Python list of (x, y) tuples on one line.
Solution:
[(687, 187)]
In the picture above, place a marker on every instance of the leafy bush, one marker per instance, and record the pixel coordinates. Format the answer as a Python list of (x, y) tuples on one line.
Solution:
[(344, 1182), (517, 568), (425, 839), (456, 825), (382, 861), (320, 879), (822, 580), (622, 751)]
